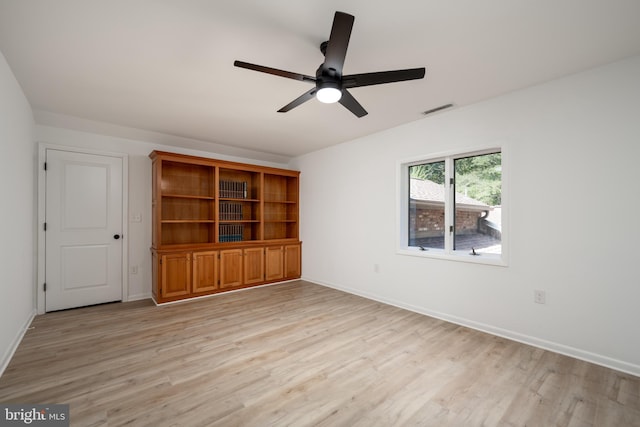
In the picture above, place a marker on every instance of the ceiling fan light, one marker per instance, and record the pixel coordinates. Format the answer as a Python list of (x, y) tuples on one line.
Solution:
[(329, 95)]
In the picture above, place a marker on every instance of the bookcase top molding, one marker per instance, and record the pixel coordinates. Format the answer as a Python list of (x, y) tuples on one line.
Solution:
[(206, 161)]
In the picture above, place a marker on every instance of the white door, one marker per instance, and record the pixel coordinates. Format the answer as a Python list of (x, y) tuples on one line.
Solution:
[(83, 260)]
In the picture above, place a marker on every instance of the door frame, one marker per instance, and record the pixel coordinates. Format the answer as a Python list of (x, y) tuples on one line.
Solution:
[(42, 181)]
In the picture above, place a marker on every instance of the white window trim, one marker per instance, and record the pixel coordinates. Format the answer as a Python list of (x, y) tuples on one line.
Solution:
[(402, 190)]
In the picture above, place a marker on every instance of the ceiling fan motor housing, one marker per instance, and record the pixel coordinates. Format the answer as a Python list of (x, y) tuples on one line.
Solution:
[(328, 78)]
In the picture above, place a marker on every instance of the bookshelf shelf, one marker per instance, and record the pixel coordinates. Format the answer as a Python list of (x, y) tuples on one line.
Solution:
[(187, 221), (186, 196), (231, 199), (208, 212)]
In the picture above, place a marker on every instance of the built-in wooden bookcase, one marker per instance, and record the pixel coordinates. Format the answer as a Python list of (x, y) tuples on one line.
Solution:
[(235, 214)]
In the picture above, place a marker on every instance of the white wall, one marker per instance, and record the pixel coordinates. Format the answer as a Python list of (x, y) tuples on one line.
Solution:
[(572, 149), (17, 210), (139, 233)]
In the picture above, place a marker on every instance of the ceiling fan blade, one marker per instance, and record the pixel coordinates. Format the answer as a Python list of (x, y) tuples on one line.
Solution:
[(368, 79), (338, 42), (275, 71), (351, 104), (299, 100)]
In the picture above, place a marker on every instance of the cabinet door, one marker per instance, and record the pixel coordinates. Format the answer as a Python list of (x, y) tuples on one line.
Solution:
[(176, 275), (230, 268), (205, 271), (253, 266), (274, 263), (292, 261)]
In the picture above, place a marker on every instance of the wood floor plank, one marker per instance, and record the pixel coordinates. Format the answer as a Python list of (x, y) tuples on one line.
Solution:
[(301, 354)]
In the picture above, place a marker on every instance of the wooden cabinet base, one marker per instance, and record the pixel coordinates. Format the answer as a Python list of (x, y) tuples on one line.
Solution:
[(185, 274)]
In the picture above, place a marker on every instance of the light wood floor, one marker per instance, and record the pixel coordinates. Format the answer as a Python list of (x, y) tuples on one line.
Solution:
[(301, 354)]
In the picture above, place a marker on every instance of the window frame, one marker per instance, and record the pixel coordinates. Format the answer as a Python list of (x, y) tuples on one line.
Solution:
[(448, 253)]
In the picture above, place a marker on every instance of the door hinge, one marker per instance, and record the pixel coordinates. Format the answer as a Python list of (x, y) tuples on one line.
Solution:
[(45, 165), (450, 181), (45, 226), (451, 229), (45, 287)]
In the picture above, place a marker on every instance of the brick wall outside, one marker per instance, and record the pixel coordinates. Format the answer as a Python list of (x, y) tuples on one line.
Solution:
[(467, 222), (429, 222)]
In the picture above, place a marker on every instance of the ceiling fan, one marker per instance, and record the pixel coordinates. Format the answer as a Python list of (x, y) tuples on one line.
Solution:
[(330, 85)]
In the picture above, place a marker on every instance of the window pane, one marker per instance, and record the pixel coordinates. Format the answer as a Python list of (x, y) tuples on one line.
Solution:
[(478, 191), (426, 205)]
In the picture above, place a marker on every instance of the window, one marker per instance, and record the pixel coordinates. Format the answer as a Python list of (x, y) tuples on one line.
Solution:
[(451, 206)]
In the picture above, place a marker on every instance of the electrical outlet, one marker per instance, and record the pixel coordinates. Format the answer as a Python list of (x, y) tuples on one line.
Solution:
[(376, 268), (134, 269), (539, 297)]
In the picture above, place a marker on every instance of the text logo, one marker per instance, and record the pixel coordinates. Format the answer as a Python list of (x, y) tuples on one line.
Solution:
[(34, 415)]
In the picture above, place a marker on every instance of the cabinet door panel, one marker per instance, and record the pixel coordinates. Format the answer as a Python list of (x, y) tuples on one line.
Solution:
[(274, 263), (176, 275), (205, 271), (292, 261), (230, 268), (253, 265)]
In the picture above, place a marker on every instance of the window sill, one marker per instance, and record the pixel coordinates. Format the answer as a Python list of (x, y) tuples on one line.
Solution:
[(487, 259)]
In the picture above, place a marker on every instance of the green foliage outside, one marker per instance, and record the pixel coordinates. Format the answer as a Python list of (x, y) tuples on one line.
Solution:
[(478, 177), (428, 171)]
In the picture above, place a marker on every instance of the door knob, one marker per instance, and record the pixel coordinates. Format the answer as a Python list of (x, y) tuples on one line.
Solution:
[(116, 236)]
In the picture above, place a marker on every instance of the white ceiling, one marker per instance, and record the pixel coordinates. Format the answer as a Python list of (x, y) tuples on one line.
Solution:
[(167, 66)]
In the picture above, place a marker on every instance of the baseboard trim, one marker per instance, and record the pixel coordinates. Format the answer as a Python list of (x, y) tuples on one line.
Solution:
[(587, 356), (8, 355)]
